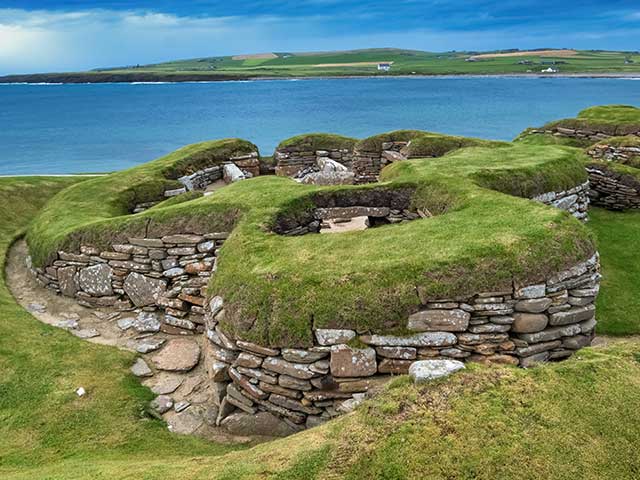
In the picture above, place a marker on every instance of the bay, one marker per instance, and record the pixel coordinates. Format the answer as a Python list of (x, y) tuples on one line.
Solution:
[(58, 129)]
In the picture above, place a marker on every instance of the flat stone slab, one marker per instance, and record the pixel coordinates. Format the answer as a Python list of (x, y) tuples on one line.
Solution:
[(141, 369), (86, 333), (96, 280), (353, 362), (334, 336), (426, 339), (143, 290), (167, 384), (454, 320), (178, 355), (426, 370)]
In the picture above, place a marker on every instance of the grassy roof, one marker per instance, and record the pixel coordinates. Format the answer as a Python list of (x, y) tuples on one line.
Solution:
[(625, 141), (276, 287), (97, 211), (319, 141), (423, 144), (617, 114), (615, 120)]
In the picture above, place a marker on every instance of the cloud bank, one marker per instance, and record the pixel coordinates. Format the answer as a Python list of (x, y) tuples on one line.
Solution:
[(39, 40)]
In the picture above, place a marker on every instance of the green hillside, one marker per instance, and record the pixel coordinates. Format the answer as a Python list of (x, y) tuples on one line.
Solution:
[(360, 63)]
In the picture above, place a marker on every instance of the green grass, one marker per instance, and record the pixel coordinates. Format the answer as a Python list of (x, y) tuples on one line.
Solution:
[(576, 419), (423, 144), (276, 287), (616, 114), (614, 120), (319, 141), (618, 305), (42, 421), (405, 62)]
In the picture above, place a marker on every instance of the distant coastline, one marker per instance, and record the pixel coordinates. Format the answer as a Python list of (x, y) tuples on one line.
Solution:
[(89, 78)]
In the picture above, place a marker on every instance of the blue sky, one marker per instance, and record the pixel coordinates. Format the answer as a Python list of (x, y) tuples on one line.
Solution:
[(49, 35)]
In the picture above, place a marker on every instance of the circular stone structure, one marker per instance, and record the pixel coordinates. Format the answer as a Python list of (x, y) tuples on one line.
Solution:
[(469, 260)]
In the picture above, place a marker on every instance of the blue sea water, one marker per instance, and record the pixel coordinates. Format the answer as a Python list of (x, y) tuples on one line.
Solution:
[(106, 127)]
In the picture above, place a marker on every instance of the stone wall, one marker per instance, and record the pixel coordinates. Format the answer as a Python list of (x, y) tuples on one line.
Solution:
[(169, 274), (367, 165), (614, 153), (612, 190), (522, 326), (249, 165), (294, 160), (587, 134), (575, 200), (325, 220)]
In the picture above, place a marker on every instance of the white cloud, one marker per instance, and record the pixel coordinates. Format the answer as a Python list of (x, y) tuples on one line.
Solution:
[(40, 41)]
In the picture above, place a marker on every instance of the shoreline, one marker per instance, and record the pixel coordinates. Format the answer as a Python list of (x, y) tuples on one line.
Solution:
[(158, 79)]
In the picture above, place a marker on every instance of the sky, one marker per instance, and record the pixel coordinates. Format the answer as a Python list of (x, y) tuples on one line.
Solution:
[(66, 35)]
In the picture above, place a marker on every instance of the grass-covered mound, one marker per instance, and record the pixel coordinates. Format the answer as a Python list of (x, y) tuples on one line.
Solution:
[(97, 211), (276, 288), (577, 419), (626, 142), (614, 120), (423, 144), (43, 423), (318, 141), (532, 136)]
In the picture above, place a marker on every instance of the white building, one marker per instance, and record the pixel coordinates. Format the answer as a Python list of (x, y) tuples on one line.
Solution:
[(384, 67)]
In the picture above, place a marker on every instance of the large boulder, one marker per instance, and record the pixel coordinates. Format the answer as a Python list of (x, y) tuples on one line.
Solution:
[(96, 280), (143, 290)]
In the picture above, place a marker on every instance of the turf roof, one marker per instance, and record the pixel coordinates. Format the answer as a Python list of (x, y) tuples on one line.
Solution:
[(277, 288)]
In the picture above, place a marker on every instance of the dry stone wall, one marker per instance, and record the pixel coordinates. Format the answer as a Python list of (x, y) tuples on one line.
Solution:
[(612, 190), (169, 274), (575, 200), (367, 165), (614, 153), (593, 134), (522, 326), (293, 160)]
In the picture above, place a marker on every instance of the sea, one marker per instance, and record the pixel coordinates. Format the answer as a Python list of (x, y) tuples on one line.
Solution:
[(89, 128)]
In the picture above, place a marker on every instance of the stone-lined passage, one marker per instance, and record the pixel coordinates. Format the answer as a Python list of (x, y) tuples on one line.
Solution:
[(169, 273)]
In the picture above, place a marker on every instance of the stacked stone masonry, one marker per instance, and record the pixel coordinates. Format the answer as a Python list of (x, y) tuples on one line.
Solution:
[(231, 170), (169, 273), (592, 135), (610, 189), (294, 161), (613, 190), (324, 219), (575, 200), (521, 326), (367, 165)]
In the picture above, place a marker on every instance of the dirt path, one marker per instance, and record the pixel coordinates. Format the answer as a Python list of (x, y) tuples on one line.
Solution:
[(192, 411)]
